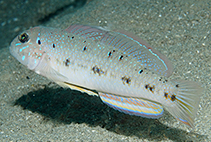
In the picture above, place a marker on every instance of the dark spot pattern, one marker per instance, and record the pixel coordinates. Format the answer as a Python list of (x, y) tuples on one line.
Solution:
[(150, 88), (39, 42), (109, 54), (140, 71), (84, 48), (166, 95), (146, 86), (165, 81), (97, 70), (121, 57), (67, 62), (173, 97), (126, 80), (53, 45)]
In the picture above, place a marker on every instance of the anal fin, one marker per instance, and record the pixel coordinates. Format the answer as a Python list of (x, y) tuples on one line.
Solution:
[(78, 88), (133, 106)]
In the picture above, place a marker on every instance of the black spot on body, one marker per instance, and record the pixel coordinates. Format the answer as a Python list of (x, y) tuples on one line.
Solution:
[(72, 37), (84, 48), (165, 81), (67, 62), (177, 85), (160, 78), (173, 97), (140, 71), (146, 86), (53, 45), (126, 80), (109, 54), (27, 77), (166, 95), (121, 57), (97, 70), (150, 88), (39, 42)]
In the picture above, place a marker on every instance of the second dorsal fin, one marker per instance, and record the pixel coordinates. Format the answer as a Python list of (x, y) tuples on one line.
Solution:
[(128, 44)]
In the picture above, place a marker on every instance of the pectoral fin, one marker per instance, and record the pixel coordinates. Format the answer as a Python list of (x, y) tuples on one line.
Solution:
[(133, 106)]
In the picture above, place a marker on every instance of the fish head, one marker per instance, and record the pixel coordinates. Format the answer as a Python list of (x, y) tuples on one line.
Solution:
[(27, 48)]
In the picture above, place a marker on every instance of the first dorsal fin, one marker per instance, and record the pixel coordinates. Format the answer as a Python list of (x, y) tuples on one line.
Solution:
[(87, 31)]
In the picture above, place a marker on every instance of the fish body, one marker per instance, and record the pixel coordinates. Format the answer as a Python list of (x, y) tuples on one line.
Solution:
[(128, 74)]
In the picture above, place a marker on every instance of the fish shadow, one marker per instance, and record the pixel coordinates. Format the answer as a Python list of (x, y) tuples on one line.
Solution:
[(68, 106)]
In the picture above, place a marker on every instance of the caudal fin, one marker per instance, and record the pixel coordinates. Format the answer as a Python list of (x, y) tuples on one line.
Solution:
[(186, 101)]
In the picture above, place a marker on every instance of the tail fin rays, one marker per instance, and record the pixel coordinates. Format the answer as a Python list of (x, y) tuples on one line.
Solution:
[(185, 106)]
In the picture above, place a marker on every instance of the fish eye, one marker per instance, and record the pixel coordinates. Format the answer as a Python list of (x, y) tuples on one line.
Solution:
[(23, 37)]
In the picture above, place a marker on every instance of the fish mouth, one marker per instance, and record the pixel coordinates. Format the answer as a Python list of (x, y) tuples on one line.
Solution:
[(36, 63)]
